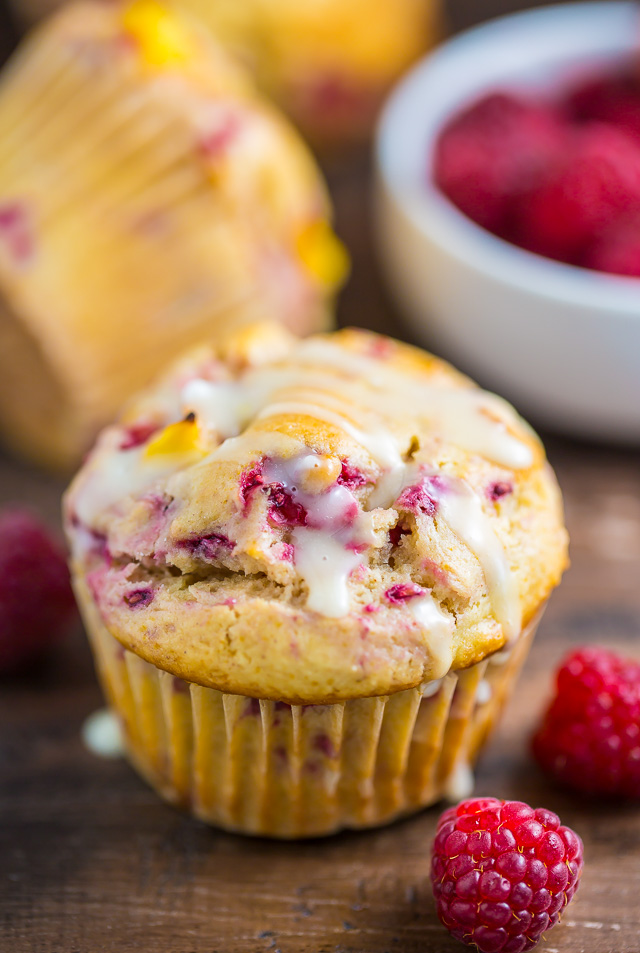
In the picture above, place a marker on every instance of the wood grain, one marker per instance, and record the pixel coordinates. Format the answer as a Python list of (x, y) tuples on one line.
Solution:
[(91, 861)]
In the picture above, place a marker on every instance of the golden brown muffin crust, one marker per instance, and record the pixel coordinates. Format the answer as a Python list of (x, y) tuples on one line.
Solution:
[(315, 520)]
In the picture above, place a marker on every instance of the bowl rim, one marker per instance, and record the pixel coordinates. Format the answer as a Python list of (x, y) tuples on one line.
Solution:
[(438, 219)]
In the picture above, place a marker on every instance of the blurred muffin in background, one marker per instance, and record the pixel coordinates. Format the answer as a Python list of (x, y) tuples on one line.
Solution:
[(329, 63), (149, 196)]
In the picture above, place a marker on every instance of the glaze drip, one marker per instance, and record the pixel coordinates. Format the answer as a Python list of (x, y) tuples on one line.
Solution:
[(325, 387), (318, 379), (362, 397), (461, 509), (328, 547), (121, 474), (431, 618)]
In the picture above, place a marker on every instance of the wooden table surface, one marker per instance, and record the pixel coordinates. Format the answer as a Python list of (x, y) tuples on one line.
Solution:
[(91, 861)]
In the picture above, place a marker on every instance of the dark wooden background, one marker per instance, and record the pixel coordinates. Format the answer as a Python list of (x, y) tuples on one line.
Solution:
[(91, 861)]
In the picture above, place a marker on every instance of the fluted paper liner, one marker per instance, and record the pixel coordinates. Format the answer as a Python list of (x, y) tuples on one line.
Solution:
[(273, 769)]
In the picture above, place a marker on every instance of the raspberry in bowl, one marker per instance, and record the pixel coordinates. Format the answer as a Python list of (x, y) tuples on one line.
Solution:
[(553, 179), (514, 106)]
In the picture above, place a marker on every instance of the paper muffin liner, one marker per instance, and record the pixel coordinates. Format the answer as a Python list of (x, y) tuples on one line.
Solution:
[(273, 769), (126, 228)]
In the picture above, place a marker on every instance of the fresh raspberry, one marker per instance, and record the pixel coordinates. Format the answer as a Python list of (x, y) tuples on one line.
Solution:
[(502, 873), (492, 154), (590, 736), (614, 99), (618, 251), (596, 185), (36, 601)]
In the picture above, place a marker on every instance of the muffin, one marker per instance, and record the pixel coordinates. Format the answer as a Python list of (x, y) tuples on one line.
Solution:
[(310, 572), (329, 63), (148, 194)]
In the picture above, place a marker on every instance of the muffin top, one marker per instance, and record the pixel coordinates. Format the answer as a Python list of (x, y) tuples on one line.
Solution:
[(313, 520)]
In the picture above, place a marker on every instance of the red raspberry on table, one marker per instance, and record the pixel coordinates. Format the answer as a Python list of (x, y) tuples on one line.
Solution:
[(596, 185), (618, 251), (36, 601), (502, 873), (590, 736), (495, 152)]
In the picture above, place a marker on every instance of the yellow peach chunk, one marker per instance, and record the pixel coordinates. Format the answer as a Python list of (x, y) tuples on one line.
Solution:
[(181, 439), (322, 253), (163, 39)]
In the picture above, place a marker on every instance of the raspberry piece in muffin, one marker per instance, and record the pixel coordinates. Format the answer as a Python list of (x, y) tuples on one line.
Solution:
[(590, 736), (502, 873)]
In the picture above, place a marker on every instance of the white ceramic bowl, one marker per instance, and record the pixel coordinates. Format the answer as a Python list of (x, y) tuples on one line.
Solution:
[(562, 343)]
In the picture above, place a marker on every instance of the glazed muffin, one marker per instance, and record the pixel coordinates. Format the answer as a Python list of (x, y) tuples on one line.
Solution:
[(148, 194), (328, 63), (310, 571)]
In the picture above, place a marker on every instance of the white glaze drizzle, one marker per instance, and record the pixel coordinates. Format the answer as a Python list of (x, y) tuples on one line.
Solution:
[(474, 419), (320, 379), (243, 449), (460, 783), (461, 509), (115, 476), (431, 688), (215, 404), (323, 388), (325, 565), (324, 553), (484, 692), (102, 735), (471, 418), (379, 443), (439, 625)]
